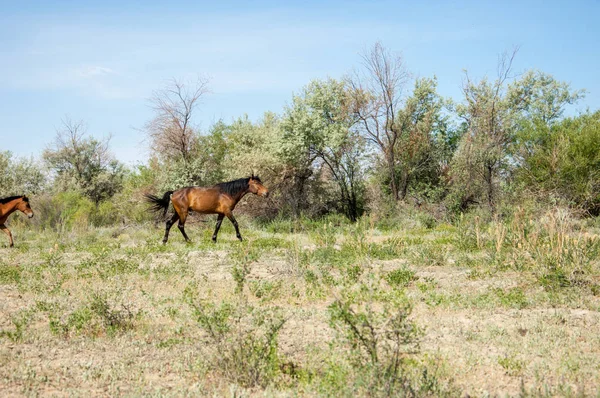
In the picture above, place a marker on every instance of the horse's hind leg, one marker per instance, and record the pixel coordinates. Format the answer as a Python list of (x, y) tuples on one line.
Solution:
[(181, 225), (235, 224), (169, 225), (7, 232), (219, 221)]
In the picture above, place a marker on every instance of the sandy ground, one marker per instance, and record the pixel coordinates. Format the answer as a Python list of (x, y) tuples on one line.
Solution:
[(483, 348)]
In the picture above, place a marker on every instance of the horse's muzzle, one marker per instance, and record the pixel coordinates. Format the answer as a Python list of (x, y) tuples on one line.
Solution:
[(265, 195), (30, 215)]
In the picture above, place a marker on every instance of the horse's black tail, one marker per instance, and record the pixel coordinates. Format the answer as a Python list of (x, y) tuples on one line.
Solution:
[(158, 203)]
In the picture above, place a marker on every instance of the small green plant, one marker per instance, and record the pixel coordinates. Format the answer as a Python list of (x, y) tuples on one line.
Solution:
[(429, 255), (427, 220), (20, 322), (391, 249), (54, 257), (325, 235), (242, 267), (9, 274), (76, 322), (468, 236), (400, 277), (239, 274), (265, 290), (512, 298), (114, 320), (511, 365)]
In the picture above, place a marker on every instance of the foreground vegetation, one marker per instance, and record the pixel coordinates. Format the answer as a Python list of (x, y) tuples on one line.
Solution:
[(406, 306), (412, 245)]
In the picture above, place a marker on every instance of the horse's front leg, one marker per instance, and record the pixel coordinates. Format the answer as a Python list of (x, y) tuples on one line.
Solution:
[(235, 224), (7, 232), (217, 227)]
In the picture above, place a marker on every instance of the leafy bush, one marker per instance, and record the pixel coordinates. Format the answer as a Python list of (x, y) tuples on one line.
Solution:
[(563, 161), (95, 318), (380, 345), (243, 340)]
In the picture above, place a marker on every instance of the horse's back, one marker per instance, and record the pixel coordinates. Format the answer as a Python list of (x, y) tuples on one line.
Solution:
[(199, 199)]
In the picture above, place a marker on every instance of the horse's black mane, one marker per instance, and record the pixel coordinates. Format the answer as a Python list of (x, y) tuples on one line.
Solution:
[(234, 187), (6, 200)]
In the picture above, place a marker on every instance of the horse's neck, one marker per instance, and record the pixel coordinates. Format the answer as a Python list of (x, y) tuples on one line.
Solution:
[(239, 196), (7, 208)]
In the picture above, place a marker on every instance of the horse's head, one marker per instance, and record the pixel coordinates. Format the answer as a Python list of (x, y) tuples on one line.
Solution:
[(256, 187), (24, 206)]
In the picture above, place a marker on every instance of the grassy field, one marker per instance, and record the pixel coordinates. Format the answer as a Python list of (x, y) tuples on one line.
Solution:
[(413, 307)]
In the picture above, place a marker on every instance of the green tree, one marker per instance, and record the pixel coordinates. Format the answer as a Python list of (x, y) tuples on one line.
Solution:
[(504, 124), (563, 162), (490, 118), (540, 97), (19, 176), (84, 163), (212, 150), (423, 134), (317, 133), (542, 101)]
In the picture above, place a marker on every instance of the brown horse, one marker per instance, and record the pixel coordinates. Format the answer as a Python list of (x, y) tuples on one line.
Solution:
[(219, 199), (9, 205)]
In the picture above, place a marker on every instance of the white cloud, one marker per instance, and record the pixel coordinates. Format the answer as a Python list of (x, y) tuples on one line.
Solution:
[(87, 72)]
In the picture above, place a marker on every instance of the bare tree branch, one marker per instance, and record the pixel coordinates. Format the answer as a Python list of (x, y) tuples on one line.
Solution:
[(376, 97), (170, 131)]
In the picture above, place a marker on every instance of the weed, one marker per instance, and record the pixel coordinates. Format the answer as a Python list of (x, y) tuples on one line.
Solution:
[(114, 320), (20, 322), (429, 255), (427, 220), (93, 319), (324, 236), (400, 277), (239, 273), (511, 365), (391, 249), (53, 259), (512, 298), (9, 274), (265, 290)]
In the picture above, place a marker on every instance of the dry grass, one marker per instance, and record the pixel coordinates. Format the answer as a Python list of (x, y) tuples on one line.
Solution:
[(504, 307)]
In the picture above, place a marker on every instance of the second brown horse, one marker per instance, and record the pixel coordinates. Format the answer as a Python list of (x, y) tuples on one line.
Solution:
[(219, 199), (9, 205)]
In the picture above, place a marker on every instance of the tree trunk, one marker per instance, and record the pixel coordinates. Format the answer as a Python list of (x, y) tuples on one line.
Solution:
[(392, 170), (404, 185), (490, 187)]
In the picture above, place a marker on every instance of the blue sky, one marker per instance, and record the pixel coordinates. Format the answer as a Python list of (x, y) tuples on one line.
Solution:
[(101, 61)]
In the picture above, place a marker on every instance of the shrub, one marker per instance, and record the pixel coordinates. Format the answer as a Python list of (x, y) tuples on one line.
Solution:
[(95, 318), (243, 340), (563, 161), (380, 345)]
